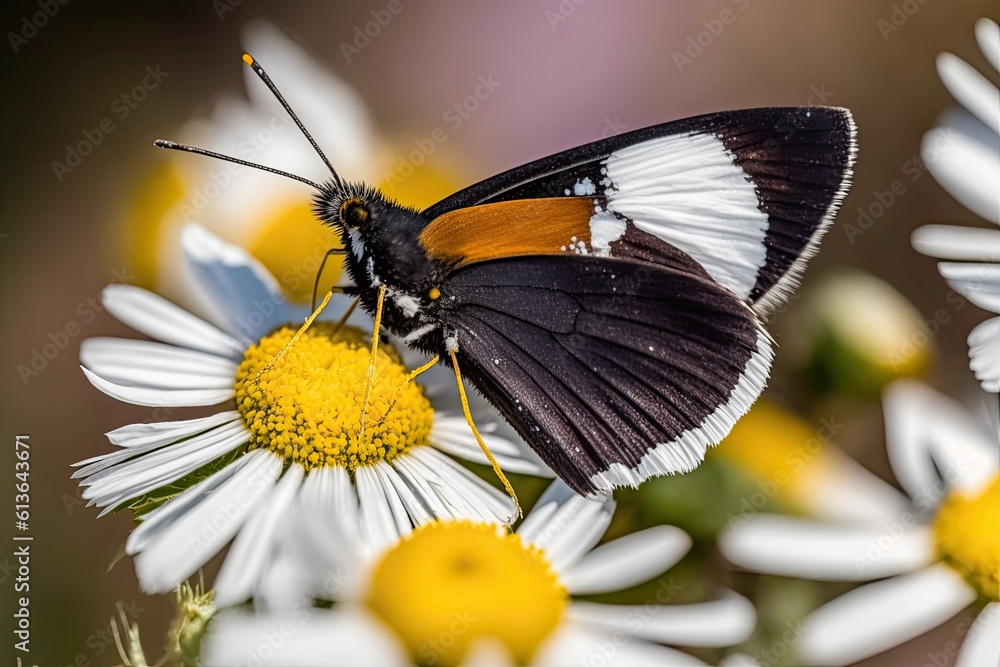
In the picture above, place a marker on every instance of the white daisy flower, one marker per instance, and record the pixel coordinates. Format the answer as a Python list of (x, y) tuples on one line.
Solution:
[(268, 215), (933, 560), (469, 593), (797, 463), (964, 156), (299, 427)]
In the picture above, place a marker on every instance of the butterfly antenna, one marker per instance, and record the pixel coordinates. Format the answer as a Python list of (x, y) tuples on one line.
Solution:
[(262, 75), (170, 145)]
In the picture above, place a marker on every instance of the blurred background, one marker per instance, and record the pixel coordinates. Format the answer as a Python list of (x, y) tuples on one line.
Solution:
[(563, 72)]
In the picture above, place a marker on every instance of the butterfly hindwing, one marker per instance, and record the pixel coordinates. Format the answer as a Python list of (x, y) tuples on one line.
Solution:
[(614, 369), (747, 194)]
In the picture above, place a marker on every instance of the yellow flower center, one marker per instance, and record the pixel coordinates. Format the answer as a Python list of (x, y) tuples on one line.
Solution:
[(967, 531), (147, 219), (307, 406), (452, 582)]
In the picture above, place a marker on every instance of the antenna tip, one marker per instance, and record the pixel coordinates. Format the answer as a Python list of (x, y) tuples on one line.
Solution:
[(163, 143), (248, 59)]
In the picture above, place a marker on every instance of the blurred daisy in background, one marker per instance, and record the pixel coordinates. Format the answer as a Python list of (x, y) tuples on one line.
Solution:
[(266, 214), (797, 464), (936, 558), (470, 593), (854, 333), (963, 154), (301, 429), (851, 334)]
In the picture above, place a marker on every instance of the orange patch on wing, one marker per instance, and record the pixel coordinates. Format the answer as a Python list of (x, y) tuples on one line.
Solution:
[(509, 229)]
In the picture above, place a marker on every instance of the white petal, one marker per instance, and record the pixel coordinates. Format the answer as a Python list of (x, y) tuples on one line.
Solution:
[(452, 435), (933, 443), (192, 539), (162, 433), (244, 204), (400, 516), (566, 525), (255, 543), (158, 318), (739, 660), (984, 354), (841, 489), (795, 547), (962, 157), (972, 90), (488, 651), (307, 638), (140, 363), (142, 474), (487, 503), (988, 37), (448, 490), (378, 529), (416, 509), (328, 533), (575, 644), (627, 561), (159, 398), (415, 475), (137, 439), (982, 644), (154, 523), (723, 622), (330, 492), (979, 283), (879, 616), (345, 497), (285, 584), (461, 494), (241, 290), (953, 242)]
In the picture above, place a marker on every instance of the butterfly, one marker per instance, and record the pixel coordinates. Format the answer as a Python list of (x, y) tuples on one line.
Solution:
[(608, 300)]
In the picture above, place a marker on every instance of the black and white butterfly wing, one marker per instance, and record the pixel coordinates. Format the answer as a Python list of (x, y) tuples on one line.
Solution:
[(606, 299), (614, 370), (748, 194)]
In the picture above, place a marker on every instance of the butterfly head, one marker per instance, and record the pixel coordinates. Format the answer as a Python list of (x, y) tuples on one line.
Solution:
[(359, 212), (372, 227)]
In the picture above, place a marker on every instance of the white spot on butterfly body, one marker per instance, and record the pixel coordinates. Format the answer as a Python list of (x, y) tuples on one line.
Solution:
[(419, 333), (357, 243), (451, 343), (372, 276), (406, 303)]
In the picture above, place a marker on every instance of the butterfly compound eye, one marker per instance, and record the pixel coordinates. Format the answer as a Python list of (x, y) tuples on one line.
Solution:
[(353, 213)]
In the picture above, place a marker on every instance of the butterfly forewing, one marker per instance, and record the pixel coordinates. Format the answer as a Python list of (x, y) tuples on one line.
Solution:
[(748, 194)]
